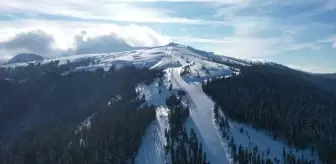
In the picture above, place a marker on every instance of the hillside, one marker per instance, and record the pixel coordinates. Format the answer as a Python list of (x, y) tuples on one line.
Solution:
[(289, 107), (160, 89)]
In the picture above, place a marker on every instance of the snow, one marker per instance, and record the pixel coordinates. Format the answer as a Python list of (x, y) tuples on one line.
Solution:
[(201, 113), (85, 124), (201, 120), (251, 137), (154, 58), (217, 148), (202, 116), (172, 58), (152, 148)]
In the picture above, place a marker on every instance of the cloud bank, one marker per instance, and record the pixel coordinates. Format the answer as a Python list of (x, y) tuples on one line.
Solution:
[(77, 38), (33, 42)]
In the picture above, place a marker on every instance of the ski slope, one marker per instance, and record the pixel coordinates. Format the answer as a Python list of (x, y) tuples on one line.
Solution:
[(201, 120)]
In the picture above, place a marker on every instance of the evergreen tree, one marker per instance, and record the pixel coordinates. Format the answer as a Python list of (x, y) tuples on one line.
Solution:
[(287, 104)]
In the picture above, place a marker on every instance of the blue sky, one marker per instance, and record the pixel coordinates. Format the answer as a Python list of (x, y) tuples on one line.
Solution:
[(297, 33)]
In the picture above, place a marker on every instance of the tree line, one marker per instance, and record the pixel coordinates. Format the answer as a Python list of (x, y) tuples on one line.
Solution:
[(287, 106), (40, 116)]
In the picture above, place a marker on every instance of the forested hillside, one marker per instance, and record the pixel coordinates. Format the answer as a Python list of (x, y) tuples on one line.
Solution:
[(41, 110), (277, 100)]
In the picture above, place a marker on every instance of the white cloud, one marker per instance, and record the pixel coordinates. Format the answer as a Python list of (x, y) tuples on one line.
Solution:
[(135, 35), (257, 31), (36, 41), (250, 47), (333, 40), (62, 35), (99, 44), (236, 46), (218, 1), (201, 40), (108, 10), (313, 45), (311, 67), (253, 47)]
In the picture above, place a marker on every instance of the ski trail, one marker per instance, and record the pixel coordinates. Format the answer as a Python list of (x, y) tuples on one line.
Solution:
[(201, 116), (201, 119)]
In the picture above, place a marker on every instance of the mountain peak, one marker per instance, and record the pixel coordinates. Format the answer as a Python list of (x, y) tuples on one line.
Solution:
[(174, 44), (25, 57)]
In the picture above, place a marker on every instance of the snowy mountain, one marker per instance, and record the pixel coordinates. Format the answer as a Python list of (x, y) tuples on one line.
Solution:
[(185, 68), (25, 57)]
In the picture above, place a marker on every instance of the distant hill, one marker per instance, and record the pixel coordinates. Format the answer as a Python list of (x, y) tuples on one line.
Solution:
[(25, 57), (326, 82), (330, 75)]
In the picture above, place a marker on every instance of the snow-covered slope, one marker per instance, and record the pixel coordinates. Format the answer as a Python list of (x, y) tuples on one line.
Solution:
[(155, 57), (201, 120), (185, 69)]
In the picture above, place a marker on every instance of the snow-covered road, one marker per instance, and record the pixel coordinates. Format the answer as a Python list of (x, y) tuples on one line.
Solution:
[(201, 118)]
